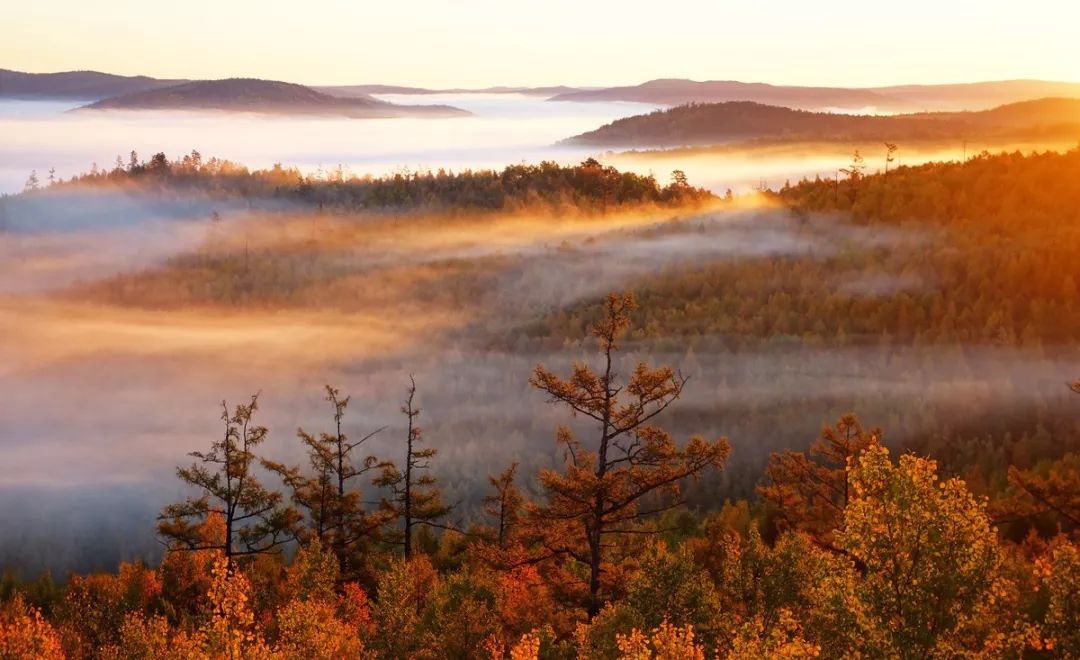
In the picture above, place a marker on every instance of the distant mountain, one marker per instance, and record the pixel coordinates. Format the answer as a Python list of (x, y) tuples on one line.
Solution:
[(902, 98), (979, 96), (350, 91), (677, 92), (80, 85), (701, 124), (264, 96)]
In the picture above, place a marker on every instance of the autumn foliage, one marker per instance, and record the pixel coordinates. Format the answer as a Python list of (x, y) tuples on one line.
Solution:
[(868, 554)]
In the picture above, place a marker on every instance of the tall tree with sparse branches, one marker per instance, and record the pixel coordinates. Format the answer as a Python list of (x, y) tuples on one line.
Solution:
[(601, 493), (504, 505), (255, 519), (413, 497), (334, 509)]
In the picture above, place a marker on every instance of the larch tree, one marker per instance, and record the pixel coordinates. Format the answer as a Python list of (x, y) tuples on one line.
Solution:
[(503, 507), (807, 491), (335, 513), (890, 155), (255, 519), (1050, 490), (413, 498), (854, 173), (600, 493)]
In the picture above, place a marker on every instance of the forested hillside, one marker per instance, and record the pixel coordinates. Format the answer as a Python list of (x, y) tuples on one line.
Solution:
[(994, 261), (588, 187), (698, 124), (646, 535)]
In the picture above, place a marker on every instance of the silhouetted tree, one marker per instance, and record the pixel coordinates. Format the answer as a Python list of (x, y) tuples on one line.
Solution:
[(890, 155), (159, 164), (854, 173), (413, 499)]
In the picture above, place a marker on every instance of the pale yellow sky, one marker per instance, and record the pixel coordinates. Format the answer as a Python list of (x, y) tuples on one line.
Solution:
[(576, 42)]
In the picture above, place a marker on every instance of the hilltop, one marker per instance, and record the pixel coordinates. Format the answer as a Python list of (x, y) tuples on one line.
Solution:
[(75, 84), (263, 96), (699, 124)]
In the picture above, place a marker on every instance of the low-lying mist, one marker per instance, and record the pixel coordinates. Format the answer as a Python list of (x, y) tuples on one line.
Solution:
[(505, 128), (123, 334)]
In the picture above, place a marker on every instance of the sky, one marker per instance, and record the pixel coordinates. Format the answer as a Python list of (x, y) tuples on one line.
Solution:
[(452, 43)]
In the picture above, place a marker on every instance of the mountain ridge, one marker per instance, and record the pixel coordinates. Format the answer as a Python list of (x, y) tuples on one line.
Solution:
[(893, 99)]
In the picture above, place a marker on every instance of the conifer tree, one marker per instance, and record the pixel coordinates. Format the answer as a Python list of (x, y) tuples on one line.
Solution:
[(255, 519), (335, 512), (807, 491), (414, 499), (504, 506), (599, 494)]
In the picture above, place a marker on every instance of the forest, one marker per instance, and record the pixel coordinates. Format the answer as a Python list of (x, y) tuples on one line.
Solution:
[(586, 188), (740, 121), (956, 538), (849, 550)]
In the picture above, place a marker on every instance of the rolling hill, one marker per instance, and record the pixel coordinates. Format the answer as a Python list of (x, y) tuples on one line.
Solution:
[(264, 97), (700, 124), (81, 85)]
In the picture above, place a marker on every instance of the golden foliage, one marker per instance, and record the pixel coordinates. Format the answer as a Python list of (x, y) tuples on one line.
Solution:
[(311, 629), (931, 559), (25, 635), (782, 640), (231, 632), (665, 642)]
